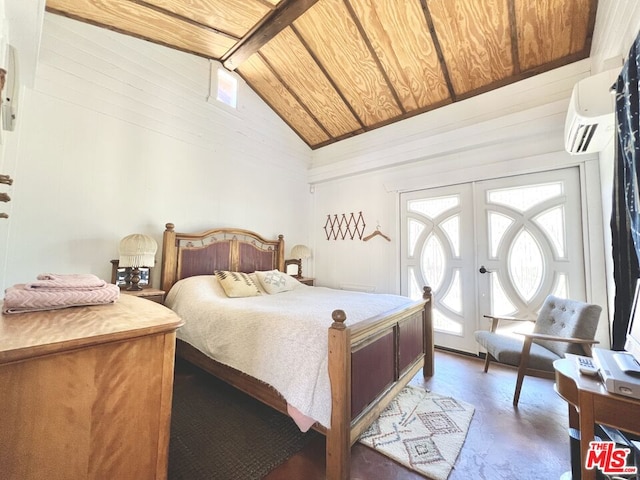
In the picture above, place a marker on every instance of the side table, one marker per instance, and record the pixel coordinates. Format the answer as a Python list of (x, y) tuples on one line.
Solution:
[(589, 404), (153, 294)]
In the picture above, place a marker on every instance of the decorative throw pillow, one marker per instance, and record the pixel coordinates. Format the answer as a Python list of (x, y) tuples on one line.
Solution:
[(237, 284), (274, 281), (255, 280)]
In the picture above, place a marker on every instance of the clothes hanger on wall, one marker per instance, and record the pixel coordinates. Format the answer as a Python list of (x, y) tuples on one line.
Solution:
[(376, 233)]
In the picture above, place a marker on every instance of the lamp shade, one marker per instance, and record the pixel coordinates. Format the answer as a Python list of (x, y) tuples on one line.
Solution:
[(300, 251), (137, 250)]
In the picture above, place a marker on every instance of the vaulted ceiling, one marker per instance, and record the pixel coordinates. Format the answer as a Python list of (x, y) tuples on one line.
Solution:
[(336, 68)]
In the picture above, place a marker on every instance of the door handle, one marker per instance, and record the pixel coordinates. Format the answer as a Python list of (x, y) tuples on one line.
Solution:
[(484, 270)]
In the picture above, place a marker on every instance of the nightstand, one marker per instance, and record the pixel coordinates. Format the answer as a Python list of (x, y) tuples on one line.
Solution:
[(306, 281), (153, 294)]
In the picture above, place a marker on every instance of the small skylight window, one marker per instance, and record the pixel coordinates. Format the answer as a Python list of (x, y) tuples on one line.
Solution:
[(227, 91)]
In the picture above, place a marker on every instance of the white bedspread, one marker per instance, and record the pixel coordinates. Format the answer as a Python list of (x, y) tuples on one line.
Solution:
[(280, 339)]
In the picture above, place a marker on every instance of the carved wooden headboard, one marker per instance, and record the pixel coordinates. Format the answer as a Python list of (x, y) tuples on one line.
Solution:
[(189, 254)]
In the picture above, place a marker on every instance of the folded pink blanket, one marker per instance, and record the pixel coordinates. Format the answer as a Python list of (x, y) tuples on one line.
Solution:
[(19, 298), (74, 281)]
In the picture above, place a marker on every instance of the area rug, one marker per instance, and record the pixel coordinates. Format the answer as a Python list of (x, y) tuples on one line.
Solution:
[(422, 431), (218, 432)]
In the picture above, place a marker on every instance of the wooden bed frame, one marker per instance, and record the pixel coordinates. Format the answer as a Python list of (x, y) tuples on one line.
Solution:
[(369, 363)]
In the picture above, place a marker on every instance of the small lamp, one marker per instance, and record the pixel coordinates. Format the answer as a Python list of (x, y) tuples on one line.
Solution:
[(300, 252), (137, 251)]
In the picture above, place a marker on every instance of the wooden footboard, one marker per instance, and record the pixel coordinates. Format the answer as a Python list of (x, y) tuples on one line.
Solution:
[(368, 366)]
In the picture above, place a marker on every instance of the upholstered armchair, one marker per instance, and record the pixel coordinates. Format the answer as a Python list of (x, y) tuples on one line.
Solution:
[(563, 326)]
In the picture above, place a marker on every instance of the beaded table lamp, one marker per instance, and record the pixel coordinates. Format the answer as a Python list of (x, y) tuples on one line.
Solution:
[(137, 251)]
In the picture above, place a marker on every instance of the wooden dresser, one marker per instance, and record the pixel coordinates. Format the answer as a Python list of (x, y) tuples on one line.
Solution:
[(85, 392)]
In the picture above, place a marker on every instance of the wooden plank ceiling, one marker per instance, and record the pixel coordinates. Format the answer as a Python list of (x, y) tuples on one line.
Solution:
[(336, 68)]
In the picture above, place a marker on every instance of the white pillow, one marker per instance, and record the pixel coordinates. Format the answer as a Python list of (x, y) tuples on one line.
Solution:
[(237, 284), (274, 281)]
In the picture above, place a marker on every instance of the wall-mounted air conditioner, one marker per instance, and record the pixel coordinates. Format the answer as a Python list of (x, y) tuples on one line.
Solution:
[(590, 122)]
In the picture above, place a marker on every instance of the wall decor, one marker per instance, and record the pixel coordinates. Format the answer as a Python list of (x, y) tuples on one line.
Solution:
[(340, 226)]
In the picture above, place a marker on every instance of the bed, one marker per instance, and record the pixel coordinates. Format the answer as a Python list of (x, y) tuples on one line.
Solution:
[(369, 357)]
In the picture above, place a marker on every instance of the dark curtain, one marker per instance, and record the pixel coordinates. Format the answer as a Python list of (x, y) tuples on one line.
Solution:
[(625, 263), (625, 221)]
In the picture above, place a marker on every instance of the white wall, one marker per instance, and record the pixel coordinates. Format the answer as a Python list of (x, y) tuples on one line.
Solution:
[(615, 30), (116, 137), (24, 28)]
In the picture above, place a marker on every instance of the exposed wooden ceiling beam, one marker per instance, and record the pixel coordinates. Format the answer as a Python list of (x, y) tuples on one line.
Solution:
[(438, 47), (515, 55), (284, 15)]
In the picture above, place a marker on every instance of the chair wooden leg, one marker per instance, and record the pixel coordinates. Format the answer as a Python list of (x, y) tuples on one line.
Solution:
[(516, 395), (522, 369), (487, 360)]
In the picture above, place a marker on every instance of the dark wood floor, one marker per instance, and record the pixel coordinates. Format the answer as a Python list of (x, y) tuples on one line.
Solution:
[(528, 443)]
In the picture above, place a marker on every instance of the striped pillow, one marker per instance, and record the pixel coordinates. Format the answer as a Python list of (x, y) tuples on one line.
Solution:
[(237, 284)]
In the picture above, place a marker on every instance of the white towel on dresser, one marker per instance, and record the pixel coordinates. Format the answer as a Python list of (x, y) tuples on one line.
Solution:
[(280, 339)]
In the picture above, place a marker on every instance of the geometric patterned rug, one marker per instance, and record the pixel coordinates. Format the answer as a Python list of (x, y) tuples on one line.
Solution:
[(421, 430)]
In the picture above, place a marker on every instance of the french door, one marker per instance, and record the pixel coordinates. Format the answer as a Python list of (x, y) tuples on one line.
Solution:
[(497, 246)]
